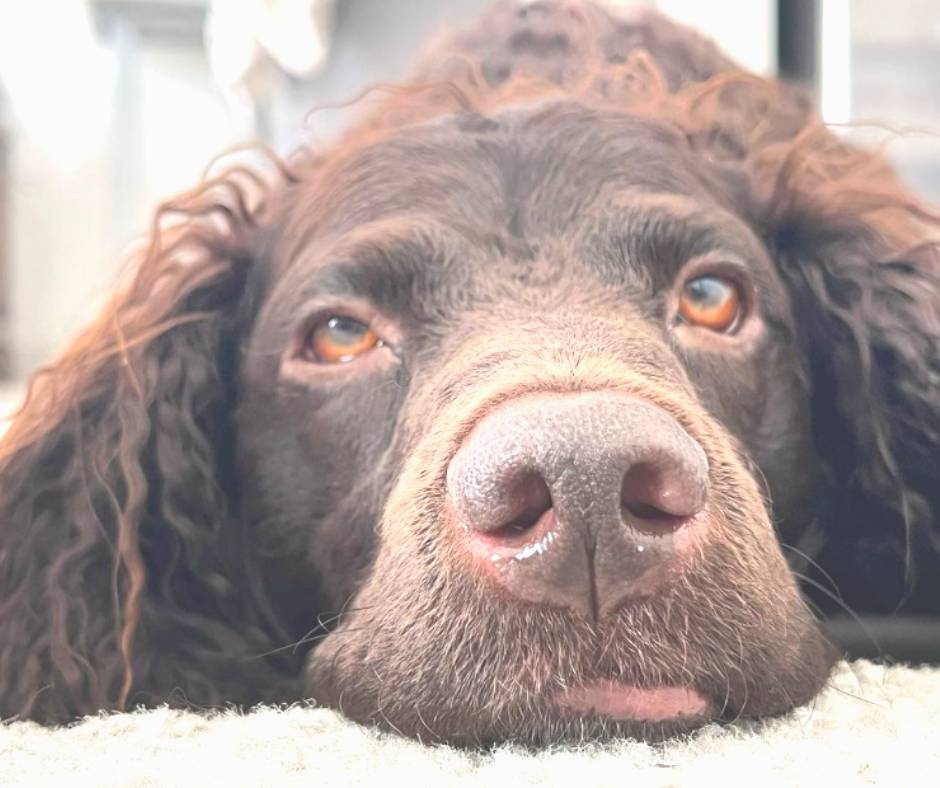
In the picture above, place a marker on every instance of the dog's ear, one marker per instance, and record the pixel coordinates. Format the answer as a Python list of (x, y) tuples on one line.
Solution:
[(860, 254), (115, 485)]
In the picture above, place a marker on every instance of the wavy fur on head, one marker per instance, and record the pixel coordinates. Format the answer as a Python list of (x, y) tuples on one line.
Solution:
[(125, 571)]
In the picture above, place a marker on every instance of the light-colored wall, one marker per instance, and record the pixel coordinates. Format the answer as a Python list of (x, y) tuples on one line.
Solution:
[(745, 29), (84, 179)]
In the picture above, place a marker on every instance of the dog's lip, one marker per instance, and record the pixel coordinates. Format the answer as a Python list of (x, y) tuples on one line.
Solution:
[(626, 702)]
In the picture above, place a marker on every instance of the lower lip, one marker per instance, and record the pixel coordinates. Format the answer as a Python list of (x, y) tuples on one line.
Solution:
[(623, 702)]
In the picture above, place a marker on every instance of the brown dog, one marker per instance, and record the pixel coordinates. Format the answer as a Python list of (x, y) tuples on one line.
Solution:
[(479, 425)]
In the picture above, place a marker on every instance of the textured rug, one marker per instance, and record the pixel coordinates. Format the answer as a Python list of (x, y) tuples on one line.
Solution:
[(874, 725)]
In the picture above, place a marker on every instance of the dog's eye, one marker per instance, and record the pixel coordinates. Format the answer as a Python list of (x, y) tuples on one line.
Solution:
[(338, 339), (711, 302)]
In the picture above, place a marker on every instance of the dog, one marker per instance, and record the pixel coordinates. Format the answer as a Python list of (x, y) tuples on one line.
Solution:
[(554, 401)]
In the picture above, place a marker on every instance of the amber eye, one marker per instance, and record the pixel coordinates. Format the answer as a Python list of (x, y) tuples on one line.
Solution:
[(711, 302), (339, 339)]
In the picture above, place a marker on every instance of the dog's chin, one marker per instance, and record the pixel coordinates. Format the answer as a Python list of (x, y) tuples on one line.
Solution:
[(570, 728), (598, 712), (567, 729), (427, 700)]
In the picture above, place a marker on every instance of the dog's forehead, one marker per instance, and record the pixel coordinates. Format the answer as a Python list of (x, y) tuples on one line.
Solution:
[(462, 201), (533, 169)]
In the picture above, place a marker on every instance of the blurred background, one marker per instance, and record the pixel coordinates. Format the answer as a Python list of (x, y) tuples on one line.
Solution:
[(109, 106)]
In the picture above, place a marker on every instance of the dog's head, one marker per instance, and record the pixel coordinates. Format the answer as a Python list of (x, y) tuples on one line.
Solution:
[(515, 390)]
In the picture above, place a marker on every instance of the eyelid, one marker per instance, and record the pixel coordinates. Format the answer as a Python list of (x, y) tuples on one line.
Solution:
[(723, 266), (716, 263)]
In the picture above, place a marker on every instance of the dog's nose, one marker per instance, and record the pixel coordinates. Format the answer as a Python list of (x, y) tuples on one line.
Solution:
[(584, 500)]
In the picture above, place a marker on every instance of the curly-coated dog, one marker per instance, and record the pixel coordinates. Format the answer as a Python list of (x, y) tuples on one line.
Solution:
[(511, 415)]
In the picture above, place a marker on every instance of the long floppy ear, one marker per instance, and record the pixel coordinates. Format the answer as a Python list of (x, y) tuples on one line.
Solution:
[(120, 575), (862, 257)]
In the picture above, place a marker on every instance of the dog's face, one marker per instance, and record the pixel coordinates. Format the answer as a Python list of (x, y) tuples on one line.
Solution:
[(492, 420), (518, 402)]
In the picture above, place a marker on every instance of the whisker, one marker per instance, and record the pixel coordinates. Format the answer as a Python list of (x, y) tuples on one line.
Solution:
[(852, 614), (316, 633), (813, 563)]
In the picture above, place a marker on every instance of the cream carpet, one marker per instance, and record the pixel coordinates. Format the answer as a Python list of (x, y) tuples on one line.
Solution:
[(874, 725)]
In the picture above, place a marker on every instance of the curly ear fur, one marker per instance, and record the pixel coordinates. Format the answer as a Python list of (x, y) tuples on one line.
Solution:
[(116, 497), (862, 257)]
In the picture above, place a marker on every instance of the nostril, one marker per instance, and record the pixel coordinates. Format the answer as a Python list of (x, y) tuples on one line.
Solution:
[(661, 499), (645, 511), (529, 500)]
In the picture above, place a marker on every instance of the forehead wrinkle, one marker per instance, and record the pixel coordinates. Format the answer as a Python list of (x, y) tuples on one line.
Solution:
[(674, 205), (692, 224), (427, 170), (380, 261), (367, 238), (559, 160)]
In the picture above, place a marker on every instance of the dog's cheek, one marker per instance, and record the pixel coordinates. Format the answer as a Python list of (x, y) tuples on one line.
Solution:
[(341, 551), (764, 404), (310, 500)]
